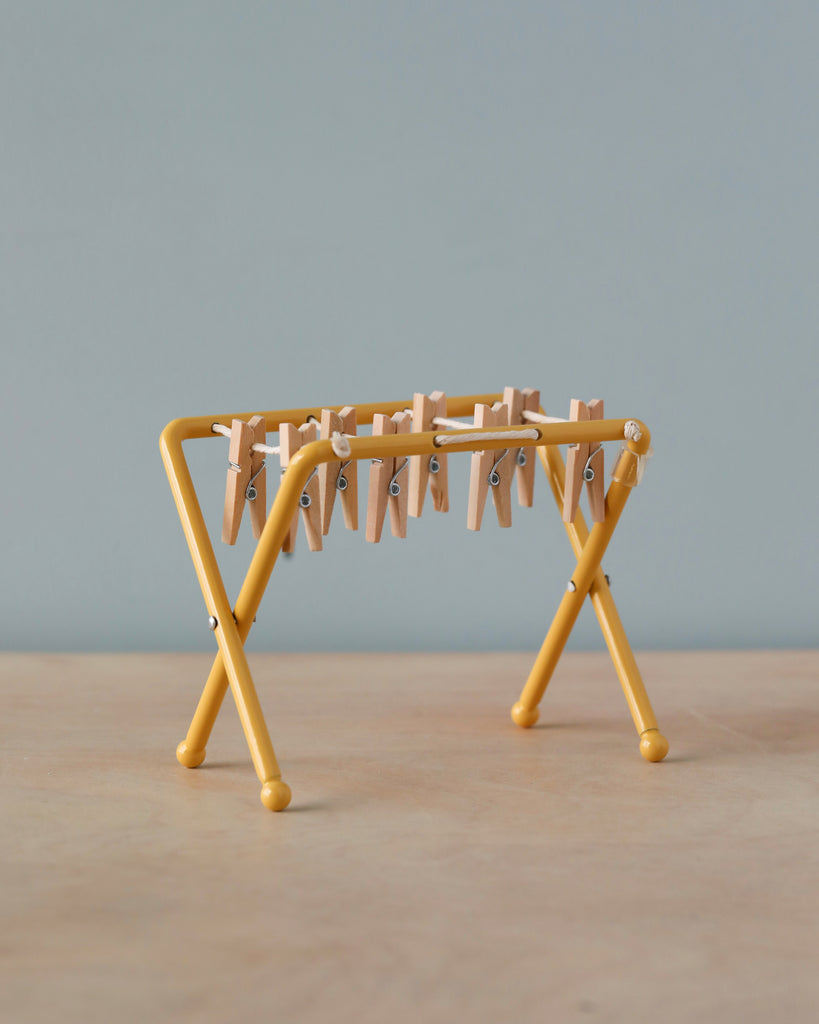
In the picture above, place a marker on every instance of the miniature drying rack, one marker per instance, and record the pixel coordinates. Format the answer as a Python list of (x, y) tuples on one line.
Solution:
[(231, 626)]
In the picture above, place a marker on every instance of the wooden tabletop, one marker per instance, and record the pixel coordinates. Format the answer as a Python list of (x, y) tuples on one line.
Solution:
[(437, 863)]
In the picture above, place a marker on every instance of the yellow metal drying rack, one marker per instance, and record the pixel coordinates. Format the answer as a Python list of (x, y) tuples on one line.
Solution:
[(232, 625)]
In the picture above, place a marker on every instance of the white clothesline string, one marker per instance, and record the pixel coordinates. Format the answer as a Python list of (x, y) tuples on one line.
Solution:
[(495, 435), (538, 417), (341, 446), (632, 431), (442, 421), (531, 417), (220, 428)]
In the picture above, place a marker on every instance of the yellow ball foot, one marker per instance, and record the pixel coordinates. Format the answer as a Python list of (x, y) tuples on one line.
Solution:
[(187, 757), (653, 745), (275, 795), (523, 716)]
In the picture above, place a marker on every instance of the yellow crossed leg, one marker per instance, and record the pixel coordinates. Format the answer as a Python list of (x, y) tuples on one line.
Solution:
[(231, 629), (589, 578)]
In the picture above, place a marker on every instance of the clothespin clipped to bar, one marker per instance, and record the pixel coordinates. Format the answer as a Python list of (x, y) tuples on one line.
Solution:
[(490, 469), (338, 476), (428, 469), (291, 439), (389, 485), (245, 479), (585, 464), (517, 401)]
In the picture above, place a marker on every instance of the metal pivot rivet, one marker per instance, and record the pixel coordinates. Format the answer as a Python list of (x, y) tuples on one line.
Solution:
[(494, 479), (521, 460), (341, 483), (395, 489), (305, 500), (213, 622), (434, 465), (571, 586)]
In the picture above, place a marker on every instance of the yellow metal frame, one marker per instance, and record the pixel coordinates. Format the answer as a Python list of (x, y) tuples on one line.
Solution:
[(230, 667)]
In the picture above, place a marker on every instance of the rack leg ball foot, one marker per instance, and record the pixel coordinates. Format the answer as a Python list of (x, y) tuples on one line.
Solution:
[(523, 716), (275, 795), (187, 757), (653, 745)]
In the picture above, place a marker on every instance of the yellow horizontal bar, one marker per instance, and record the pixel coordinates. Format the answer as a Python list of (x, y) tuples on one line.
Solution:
[(389, 445), (570, 432), (185, 428)]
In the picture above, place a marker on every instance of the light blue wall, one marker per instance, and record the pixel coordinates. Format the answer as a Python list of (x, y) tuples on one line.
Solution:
[(257, 205)]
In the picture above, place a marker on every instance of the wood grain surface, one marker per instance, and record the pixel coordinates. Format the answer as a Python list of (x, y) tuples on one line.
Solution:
[(437, 864)]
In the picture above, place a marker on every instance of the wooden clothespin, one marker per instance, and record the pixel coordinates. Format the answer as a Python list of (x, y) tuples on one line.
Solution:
[(291, 439), (517, 401), (399, 485), (388, 483), (428, 469), (585, 463), (337, 476), (492, 468), (595, 489), (245, 479)]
